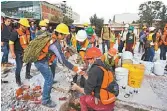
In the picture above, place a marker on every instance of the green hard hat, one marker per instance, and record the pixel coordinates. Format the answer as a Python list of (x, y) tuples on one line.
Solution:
[(131, 28), (89, 31)]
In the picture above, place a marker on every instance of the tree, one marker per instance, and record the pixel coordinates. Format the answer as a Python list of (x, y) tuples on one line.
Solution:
[(56, 19), (151, 10), (98, 23), (67, 20)]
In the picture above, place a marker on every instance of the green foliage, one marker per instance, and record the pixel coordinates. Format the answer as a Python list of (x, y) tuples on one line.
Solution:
[(67, 20), (152, 10), (98, 23)]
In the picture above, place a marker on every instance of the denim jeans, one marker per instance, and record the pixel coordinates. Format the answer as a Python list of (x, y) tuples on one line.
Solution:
[(46, 72), (19, 65), (163, 51), (105, 42), (151, 54), (5, 50), (121, 46)]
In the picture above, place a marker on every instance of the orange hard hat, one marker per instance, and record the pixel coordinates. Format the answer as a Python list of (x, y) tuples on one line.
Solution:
[(93, 52), (112, 51)]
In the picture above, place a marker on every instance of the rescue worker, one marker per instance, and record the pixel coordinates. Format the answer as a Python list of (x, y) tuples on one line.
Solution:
[(141, 45), (72, 39), (82, 43), (85, 25), (96, 38), (5, 36), (111, 59), (149, 46), (130, 40), (105, 35), (91, 37), (54, 49), (113, 39), (164, 44), (93, 97), (123, 38), (32, 30), (43, 27), (19, 40)]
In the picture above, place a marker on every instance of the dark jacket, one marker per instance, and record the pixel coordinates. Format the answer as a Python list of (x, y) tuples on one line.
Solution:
[(95, 78), (5, 33)]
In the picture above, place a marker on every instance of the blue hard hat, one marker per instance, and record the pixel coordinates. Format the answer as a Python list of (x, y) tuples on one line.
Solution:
[(72, 26)]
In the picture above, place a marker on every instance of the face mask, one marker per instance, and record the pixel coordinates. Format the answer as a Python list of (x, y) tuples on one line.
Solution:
[(109, 57), (126, 28), (130, 31), (43, 28)]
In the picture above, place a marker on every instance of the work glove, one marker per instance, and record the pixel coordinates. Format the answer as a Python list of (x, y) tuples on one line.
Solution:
[(96, 101), (74, 86), (78, 70)]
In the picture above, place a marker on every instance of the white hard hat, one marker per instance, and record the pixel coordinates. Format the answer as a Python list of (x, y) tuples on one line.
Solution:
[(151, 43), (127, 25), (2, 14), (81, 35), (113, 29), (151, 28)]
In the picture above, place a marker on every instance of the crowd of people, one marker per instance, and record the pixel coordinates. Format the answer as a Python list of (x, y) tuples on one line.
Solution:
[(97, 93)]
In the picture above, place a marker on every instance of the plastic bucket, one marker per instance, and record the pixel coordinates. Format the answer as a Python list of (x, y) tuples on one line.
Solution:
[(148, 67), (159, 68), (127, 55), (127, 61), (121, 76), (136, 74)]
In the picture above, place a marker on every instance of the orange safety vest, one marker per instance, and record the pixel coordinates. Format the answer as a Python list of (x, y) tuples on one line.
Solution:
[(106, 97), (45, 50), (24, 38)]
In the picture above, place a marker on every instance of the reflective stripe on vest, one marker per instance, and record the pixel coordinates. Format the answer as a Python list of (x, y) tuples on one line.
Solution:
[(106, 61), (24, 38), (150, 38)]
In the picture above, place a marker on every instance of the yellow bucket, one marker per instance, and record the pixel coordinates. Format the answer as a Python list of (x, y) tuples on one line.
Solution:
[(136, 73)]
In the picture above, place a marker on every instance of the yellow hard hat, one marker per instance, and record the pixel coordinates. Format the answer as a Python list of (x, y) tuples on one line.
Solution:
[(62, 28), (85, 24), (24, 22), (42, 23), (46, 20), (144, 27)]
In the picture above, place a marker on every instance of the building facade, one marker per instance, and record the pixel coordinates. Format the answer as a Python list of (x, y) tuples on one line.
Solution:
[(76, 17), (30, 9), (67, 10)]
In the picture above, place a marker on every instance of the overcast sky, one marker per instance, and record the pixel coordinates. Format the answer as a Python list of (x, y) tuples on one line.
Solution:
[(103, 8)]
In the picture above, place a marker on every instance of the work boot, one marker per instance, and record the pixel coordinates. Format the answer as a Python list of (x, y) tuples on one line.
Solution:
[(28, 76), (50, 104), (18, 81)]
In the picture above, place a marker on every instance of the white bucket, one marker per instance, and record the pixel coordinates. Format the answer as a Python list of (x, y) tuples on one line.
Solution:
[(127, 55), (122, 76), (159, 67), (148, 67)]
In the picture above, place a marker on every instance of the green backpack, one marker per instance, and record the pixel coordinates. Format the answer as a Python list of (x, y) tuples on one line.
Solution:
[(33, 50)]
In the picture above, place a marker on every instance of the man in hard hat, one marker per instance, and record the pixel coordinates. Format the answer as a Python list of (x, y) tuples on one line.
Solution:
[(141, 45), (93, 96), (43, 27), (82, 43), (113, 39), (71, 39), (19, 40), (106, 36), (52, 50), (123, 38), (111, 59), (85, 25), (130, 40), (5, 36), (91, 37)]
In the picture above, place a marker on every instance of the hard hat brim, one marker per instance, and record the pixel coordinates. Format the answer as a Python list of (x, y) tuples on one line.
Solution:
[(62, 32)]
